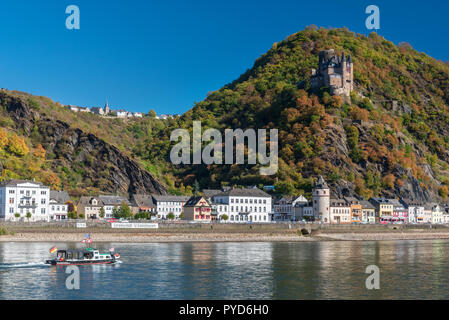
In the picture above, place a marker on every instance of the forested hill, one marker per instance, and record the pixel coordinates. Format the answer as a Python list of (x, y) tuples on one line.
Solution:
[(391, 139)]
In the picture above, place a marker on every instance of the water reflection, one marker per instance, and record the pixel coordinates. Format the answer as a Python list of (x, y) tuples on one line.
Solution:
[(314, 270)]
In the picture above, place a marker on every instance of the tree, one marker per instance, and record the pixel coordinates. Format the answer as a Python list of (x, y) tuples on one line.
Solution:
[(102, 212), (171, 216), (3, 138), (443, 191), (17, 215), (116, 212), (181, 216), (224, 217), (39, 151), (17, 146), (125, 211), (196, 187), (152, 114), (71, 215), (82, 216), (28, 216)]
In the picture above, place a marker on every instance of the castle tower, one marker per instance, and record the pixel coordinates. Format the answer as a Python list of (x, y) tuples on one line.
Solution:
[(334, 72), (321, 200)]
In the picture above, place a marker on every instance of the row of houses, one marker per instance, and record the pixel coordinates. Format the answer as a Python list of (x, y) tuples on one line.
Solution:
[(106, 111), (348, 210), (34, 201)]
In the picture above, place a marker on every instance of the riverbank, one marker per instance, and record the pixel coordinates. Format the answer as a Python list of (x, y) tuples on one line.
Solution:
[(155, 237), (186, 232), (123, 237)]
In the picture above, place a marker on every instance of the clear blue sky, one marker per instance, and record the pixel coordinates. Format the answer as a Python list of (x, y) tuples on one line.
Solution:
[(167, 54)]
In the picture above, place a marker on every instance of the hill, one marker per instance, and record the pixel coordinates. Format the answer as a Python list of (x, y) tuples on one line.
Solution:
[(44, 141), (391, 139)]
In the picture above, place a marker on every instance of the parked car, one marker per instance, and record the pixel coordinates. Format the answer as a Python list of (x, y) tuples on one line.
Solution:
[(123, 220), (112, 220)]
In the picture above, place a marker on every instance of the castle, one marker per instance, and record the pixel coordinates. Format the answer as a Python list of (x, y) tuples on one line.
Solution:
[(334, 72)]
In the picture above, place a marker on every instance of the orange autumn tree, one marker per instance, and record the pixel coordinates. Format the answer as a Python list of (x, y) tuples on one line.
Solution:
[(39, 151)]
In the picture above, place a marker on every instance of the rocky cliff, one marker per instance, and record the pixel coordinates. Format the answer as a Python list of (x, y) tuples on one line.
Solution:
[(99, 164)]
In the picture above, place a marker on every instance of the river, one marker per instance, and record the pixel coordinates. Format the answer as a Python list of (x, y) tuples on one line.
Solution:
[(258, 270)]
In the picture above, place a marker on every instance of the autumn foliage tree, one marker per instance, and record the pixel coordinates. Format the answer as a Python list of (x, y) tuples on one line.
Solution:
[(17, 146)]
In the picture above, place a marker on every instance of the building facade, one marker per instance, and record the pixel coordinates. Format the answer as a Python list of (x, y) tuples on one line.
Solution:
[(19, 198), (340, 211), (244, 205), (169, 204), (58, 205), (197, 208)]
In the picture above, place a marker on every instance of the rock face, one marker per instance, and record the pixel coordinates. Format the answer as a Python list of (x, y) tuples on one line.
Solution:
[(102, 165)]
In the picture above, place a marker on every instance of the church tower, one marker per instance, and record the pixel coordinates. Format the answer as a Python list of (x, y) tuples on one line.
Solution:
[(106, 108), (321, 200)]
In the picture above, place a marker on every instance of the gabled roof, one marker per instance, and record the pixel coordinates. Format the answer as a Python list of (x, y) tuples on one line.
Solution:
[(193, 201), (244, 193), (159, 198), (143, 200), (211, 192), (366, 204), (113, 200), (59, 196), (15, 182)]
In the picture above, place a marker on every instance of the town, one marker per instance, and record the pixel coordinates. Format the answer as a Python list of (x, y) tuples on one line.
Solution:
[(33, 201), (106, 111)]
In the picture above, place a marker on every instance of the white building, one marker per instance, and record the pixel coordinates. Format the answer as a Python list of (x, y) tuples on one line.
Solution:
[(19, 197), (284, 209), (244, 205), (415, 210), (169, 204), (58, 205), (321, 200), (340, 212), (110, 202)]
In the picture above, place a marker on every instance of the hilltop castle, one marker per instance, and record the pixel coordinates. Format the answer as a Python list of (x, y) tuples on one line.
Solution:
[(334, 72)]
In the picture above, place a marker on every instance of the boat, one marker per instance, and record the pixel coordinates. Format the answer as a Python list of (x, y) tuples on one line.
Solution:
[(83, 256)]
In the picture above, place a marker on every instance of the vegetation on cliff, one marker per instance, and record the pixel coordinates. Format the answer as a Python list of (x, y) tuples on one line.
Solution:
[(390, 139)]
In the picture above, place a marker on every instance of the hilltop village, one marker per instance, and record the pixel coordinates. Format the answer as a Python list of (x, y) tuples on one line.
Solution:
[(106, 111), (33, 201)]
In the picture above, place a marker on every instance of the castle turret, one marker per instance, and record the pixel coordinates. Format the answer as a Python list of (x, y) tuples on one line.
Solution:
[(321, 200)]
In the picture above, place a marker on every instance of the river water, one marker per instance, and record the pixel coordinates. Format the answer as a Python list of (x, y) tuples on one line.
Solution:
[(259, 270)]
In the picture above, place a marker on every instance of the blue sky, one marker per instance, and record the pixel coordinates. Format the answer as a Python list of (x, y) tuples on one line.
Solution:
[(165, 55)]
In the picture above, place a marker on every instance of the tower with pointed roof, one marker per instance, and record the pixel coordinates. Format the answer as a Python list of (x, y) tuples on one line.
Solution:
[(106, 108), (334, 72), (321, 200)]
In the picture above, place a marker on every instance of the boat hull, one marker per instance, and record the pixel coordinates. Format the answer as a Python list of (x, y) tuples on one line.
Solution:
[(79, 262)]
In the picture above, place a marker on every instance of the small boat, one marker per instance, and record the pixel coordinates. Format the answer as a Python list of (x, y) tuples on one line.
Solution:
[(83, 256)]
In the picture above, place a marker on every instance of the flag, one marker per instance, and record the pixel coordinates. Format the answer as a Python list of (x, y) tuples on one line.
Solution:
[(53, 250), (87, 236)]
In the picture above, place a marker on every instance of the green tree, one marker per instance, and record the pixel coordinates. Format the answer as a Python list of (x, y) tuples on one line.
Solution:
[(224, 217), (17, 215), (71, 215), (102, 212), (125, 211), (28, 216), (171, 216)]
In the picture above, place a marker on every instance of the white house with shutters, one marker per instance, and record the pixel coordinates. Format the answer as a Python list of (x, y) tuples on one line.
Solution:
[(20, 197)]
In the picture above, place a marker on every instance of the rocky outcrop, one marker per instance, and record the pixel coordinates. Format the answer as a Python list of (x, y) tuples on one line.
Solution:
[(102, 165)]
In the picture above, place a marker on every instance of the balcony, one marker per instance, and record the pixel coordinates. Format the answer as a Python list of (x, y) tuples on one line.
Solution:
[(27, 205)]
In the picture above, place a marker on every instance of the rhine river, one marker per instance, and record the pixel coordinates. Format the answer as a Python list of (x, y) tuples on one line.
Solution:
[(304, 270)]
